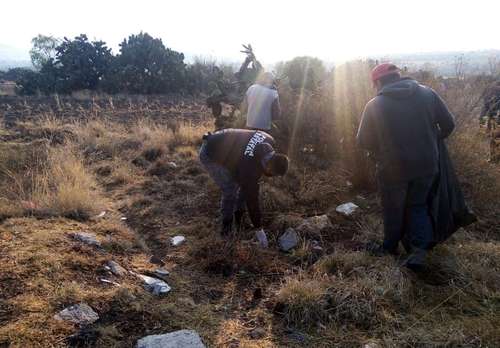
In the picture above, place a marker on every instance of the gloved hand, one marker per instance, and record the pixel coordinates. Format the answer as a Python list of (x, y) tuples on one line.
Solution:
[(262, 238)]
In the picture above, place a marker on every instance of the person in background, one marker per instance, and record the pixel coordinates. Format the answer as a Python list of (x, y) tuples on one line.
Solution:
[(236, 159), (400, 128), (261, 103)]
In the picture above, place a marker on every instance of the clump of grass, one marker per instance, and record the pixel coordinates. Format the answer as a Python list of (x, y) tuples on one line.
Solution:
[(302, 301)]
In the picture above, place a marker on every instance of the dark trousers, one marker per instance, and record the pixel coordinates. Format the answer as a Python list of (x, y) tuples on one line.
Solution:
[(406, 213), (232, 197)]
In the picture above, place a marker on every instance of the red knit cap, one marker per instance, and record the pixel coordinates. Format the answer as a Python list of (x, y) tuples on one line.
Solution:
[(384, 69)]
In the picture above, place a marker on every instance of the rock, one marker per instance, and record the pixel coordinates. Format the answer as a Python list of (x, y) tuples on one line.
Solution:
[(156, 260), (87, 238), (162, 272), (116, 269), (177, 240), (81, 314), (288, 240), (347, 209), (176, 339), (257, 333), (314, 225), (155, 285)]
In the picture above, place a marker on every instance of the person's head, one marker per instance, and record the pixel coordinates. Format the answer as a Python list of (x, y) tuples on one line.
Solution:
[(266, 79), (384, 74), (276, 165)]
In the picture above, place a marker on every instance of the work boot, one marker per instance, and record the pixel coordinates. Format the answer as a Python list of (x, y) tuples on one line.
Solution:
[(416, 260)]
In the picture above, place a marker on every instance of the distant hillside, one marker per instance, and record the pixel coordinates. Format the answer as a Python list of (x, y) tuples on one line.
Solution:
[(444, 63)]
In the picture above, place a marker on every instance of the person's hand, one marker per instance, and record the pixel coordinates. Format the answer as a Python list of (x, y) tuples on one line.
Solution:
[(261, 238)]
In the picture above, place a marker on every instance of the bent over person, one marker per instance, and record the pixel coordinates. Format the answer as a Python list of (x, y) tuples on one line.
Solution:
[(236, 159), (401, 128)]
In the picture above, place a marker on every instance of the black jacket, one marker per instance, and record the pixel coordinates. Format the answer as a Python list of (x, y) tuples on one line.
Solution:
[(242, 151), (401, 126)]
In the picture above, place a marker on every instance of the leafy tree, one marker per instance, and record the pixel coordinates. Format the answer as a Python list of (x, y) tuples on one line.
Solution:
[(145, 65), (303, 72), (80, 64), (44, 49)]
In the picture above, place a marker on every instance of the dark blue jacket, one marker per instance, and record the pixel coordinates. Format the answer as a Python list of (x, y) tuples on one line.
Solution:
[(241, 152), (401, 127)]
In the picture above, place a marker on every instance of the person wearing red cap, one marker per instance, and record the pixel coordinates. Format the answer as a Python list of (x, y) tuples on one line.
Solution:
[(400, 128)]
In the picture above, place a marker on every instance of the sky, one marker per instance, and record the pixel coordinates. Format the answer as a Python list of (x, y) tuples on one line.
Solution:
[(333, 30)]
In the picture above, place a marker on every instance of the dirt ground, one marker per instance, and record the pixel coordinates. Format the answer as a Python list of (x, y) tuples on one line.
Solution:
[(328, 292)]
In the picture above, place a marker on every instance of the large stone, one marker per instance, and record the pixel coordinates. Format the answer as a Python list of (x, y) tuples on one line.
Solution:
[(81, 314), (314, 225), (155, 285), (116, 269), (289, 240), (87, 238), (347, 209), (176, 339)]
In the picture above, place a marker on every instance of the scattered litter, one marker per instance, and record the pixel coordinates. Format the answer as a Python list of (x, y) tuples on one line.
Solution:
[(155, 285), (81, 314), (347, 209), (288, 240), (162, 272), (115, 268), (123, 218), (107, 281), (177, 240), (176, 339), (87, 238), (348, 183), (101, 214), (172, 165)]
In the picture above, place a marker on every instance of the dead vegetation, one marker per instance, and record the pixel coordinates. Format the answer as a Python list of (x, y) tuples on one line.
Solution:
[(327, 292)]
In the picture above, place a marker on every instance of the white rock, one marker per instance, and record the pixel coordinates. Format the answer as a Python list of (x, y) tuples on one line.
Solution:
[(176, 339), (177, 240), (155, 285), (80, 314), (87, 238), (116, 269), (162, 272), (288, 240), (347, 209), (314, 225)]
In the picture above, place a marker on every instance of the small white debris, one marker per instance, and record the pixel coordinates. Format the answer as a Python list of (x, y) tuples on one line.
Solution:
[(80, 314), (262, 238), (115, 268), (177, 240), (107, 281), (123, 218), (101, 214), (347, 209), (348, 183), (155, 285), (288, 240), (172, 165), (87, 238), (162, 272), (176, 339)]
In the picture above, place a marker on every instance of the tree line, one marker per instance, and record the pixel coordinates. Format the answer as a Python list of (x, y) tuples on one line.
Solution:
[(143, 65)]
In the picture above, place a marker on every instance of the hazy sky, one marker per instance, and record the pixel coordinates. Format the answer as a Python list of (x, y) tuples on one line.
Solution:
[(331, 30)]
